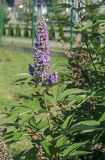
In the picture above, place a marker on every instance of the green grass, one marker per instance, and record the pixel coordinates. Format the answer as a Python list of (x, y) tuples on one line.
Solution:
[(27, 42), (13, 63)]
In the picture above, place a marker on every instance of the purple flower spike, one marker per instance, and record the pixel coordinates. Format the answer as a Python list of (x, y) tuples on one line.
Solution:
[(94, 1), (40, 70)]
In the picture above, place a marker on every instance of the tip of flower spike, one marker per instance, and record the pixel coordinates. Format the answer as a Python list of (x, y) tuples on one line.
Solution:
[(42, 21)]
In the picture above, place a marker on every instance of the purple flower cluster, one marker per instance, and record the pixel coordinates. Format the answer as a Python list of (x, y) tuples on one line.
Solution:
[(94, 1), (40, 70)]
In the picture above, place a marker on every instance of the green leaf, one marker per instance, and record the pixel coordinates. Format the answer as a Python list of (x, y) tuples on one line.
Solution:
[(42, 124), (66, 122), (24, 119), (20, 110), (65, 5), (85, 126), (86, 26), (77, 98), (61, 141), (14, 135), (96, 138), (20, 81), (83, 129), (32, 122), (102, 117), (101, 104), (17, 135), (49, 138), (79, 153), (46, 146), (72, 91), (72, 147), (34, 105), (55, 92), (88, 123)]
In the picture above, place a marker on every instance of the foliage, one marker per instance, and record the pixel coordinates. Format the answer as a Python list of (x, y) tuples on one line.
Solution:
[(61, 32), (26, 14), (18, 30), (52, 32), (10, 30), (26, 30)]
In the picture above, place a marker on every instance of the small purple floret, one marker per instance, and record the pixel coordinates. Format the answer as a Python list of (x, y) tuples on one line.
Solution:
[(53, 78), (31, 70)]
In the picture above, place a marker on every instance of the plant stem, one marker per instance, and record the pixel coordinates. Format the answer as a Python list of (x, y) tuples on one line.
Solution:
[(91, 57), (48, 114)]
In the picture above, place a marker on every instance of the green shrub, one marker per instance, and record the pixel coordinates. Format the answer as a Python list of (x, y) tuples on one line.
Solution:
[(18, 30), (52, 33), (11, 30), (61, 32), (26, 31)]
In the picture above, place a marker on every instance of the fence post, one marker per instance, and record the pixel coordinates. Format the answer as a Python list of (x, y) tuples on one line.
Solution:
[(33, 19), (1, 22), (71, 30)]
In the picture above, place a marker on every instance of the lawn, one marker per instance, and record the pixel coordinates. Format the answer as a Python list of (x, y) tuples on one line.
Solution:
[(13, 63), (55, 45)]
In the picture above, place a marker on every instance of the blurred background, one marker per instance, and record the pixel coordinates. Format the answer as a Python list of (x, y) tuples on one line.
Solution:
[(19, 18)]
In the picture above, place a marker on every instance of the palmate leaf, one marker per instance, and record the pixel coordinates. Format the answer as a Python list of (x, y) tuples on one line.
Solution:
[(73, 147)]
